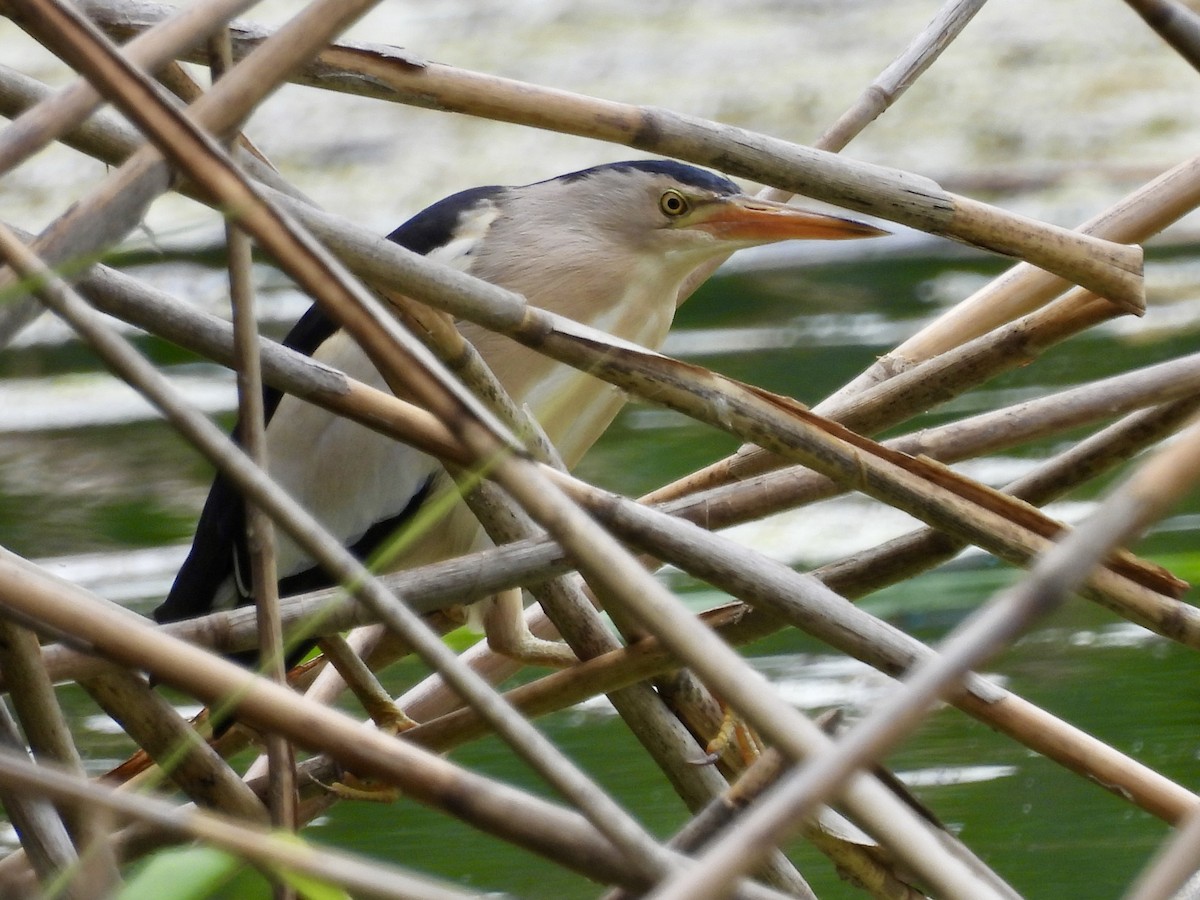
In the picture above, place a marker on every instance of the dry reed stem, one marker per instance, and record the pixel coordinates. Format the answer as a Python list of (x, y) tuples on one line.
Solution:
[(868, 572), (181, 753), (899, 75), (639, 705), (437, 330), (259, 529), (44, 838), (920, 550), (460, 580), (35, 702), (1172, 870), (176, 79), (50, 741), (719, 812), (1175, 23)]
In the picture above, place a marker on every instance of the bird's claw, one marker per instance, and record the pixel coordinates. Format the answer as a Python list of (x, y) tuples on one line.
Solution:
[(734, 732), (367, 789)]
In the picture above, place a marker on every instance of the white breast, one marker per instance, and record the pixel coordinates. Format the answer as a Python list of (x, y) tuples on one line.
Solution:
[(351, 477)]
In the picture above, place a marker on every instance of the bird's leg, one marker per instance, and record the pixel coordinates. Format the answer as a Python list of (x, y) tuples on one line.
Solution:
[(504, 625), (376, 701), (733, 733), (379, 705), (351, 787)]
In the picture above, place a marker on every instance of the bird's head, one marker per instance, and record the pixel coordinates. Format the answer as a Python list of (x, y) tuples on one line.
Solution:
[(626, 232), (669, 208)]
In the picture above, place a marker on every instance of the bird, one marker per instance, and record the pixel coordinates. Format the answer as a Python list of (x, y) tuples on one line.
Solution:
[(608, 246)]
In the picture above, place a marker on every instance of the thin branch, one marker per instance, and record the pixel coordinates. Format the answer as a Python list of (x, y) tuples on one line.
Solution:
[(751, 497), (50, 740), (1175, 23), (460, 580), (893, 81), (185, 756), (42, 833), (1173, 868), (260, 530)]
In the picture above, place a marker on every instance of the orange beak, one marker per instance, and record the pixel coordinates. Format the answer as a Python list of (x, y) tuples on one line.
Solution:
[(752, 220)]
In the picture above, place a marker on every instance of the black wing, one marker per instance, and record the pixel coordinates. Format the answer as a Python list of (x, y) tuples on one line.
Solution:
[(221, 532)]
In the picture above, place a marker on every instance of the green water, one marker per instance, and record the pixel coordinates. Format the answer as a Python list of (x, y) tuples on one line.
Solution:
[(120, 492)]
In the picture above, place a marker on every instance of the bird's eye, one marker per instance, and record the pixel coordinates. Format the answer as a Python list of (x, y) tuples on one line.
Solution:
[(673, 204)]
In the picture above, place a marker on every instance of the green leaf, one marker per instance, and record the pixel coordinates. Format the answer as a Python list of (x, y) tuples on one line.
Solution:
[(194, 873), (307, 886), (311, 888)]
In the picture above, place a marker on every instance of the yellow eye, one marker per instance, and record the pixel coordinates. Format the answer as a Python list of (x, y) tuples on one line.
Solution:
[(673, 204)]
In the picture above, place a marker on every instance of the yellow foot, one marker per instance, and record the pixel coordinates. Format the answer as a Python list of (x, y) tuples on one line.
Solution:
[(354, 788), (533, 651), (503, 620), (733, 733), (390, 718)]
